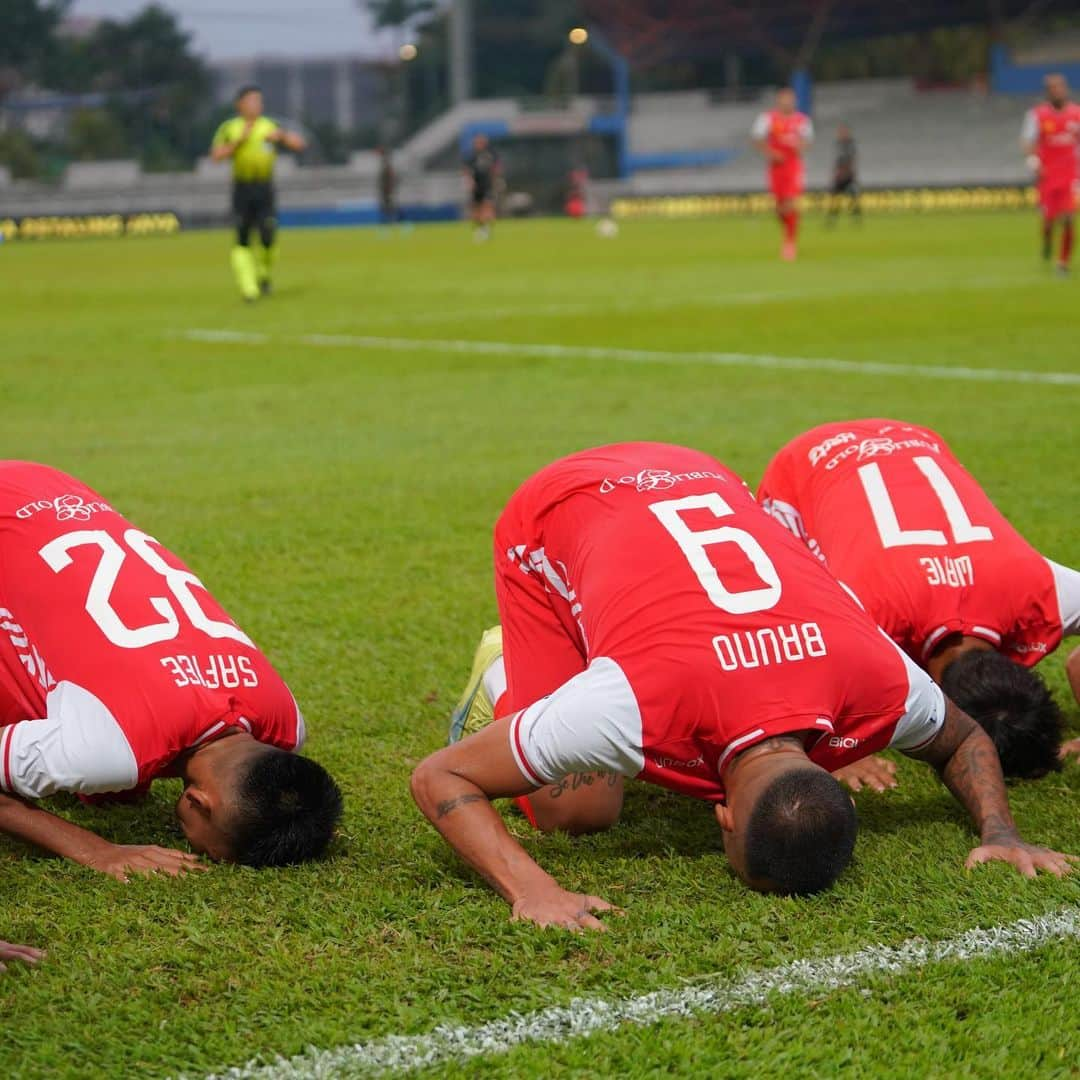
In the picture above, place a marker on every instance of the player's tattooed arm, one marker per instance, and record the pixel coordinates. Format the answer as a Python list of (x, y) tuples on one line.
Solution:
[(454, 788), (968, 764), (36, 826), (1071, 748)]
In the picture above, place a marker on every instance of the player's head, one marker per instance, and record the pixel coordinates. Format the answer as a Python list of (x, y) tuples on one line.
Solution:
[(1014, 707), (788, 825), (785, 99), (249, 102), (1057, 88), (258, 805), (480, 141)]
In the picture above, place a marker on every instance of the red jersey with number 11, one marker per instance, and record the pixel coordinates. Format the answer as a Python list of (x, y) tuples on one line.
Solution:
[(898, 519), (114, 658)]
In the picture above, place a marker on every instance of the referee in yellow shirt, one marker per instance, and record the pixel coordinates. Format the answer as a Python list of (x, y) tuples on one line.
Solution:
[(252, 140)]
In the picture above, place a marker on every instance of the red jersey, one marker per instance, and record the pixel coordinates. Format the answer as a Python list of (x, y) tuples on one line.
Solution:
[(1055, 134), (674, 624), (905, 525), (113, 656), (784, 133)]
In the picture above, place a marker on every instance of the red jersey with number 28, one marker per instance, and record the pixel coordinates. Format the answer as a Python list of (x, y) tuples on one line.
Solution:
[(113, 656), (907, 527), (704, 627)]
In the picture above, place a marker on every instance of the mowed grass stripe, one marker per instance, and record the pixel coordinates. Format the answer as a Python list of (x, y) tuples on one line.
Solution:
[(588, 1016), (635, 356)]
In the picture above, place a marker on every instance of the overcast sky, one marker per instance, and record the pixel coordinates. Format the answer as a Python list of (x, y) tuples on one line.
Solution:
[(237, 28)]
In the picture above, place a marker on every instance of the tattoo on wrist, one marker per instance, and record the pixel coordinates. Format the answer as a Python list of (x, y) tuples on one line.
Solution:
[(448, 806)]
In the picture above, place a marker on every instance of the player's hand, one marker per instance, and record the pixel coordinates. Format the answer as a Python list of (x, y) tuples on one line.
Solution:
[(876, 773), (554, 906), (1026, 858), (120, 861), (24, 953), (1069, 749)]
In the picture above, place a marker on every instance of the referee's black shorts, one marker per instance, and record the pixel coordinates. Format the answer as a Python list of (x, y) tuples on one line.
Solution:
[(254, 207)]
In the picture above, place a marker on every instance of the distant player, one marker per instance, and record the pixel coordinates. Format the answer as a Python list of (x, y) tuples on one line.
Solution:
[(482, 174), (895, 516), (118, 667), (782, 135), (252, 141), (1051, 138), (656, 624), (388, 185), (845, 181)]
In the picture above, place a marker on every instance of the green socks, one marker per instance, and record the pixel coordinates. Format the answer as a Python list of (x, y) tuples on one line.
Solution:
[(265, 263), (243, 266)]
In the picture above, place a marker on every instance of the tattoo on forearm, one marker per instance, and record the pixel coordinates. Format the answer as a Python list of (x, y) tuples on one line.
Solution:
[(448, 806), (577, 780), (973, 775)]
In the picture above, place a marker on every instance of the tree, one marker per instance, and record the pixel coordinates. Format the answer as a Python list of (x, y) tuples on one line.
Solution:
[(27, 36)]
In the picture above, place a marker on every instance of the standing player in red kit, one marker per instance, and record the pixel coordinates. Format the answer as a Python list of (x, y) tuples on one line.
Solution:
[(782, 135), (1051, 138), (657, 624), (118, 667), (893, 514)]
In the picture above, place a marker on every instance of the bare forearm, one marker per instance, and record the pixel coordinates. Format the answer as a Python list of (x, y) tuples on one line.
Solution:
[(35, 826), (973, 774), (467, 821), (1072, 671)]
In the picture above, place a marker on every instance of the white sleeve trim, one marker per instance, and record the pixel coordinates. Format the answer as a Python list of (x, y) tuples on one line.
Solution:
[(760, 130), (592, 722), (1067, 584), (301, 727), (1030, 131), (77, 747), (924, 709)]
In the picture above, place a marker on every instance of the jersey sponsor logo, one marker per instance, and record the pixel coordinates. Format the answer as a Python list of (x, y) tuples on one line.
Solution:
[(656, 480), (821, 451), (843, 742), (748, 649), (66, 508), (1030, 647), (675, 763), (880, 446)]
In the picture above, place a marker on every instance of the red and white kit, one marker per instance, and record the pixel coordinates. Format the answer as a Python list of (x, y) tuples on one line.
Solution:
[(113, 656), (1056, 136), (786, 134), (655, 622), (900, 520)]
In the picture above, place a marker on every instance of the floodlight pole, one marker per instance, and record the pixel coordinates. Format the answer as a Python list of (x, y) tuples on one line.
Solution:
[(461, 51), (620, 74)]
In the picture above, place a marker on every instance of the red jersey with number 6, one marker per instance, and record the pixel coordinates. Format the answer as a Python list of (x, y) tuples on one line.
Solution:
[(114, 658), (898, 519), (700, 626)]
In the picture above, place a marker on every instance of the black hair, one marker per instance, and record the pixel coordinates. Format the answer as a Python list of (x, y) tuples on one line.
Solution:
[(801, 833), (1013, 705), (247, 88), (287, 809)]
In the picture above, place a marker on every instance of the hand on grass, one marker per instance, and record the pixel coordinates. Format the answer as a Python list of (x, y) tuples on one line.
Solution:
[(1069, 749), (24, 953), (122, 860), (876, 773), (1026, 858), (554, 906)]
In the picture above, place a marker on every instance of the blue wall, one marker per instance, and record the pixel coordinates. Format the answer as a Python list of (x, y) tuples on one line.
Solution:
[(1009, 78)]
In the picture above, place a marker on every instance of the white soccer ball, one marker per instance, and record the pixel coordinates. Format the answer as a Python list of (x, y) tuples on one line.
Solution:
[(607, 228)]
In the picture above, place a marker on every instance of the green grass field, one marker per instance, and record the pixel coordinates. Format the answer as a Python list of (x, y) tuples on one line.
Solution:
[(338, 499)]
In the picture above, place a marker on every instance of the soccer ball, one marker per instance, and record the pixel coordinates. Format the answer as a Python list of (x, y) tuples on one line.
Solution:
[(607, 229)]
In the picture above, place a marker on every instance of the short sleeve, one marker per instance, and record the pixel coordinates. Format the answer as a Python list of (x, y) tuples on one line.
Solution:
[(924, 709), (223, 133), (592, 722), (1030, 130), (77, 747), (760, 130), (1067, 584)]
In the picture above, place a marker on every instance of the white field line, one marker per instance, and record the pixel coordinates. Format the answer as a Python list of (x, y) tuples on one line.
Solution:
[(638, 356), (588, 1016)]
